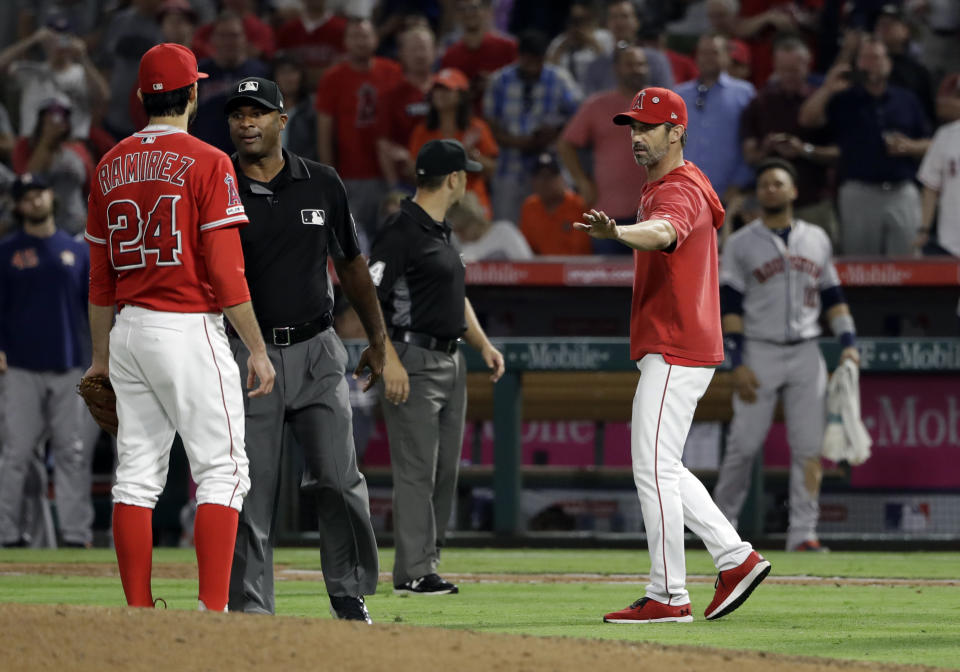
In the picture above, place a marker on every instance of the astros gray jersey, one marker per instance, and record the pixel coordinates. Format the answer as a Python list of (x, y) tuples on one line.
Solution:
[(780, 283)]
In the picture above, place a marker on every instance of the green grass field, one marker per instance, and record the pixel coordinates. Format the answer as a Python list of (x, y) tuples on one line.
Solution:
[(913, 623)]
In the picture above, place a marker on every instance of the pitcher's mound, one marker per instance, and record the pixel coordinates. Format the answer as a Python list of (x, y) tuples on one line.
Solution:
[(45, 637)]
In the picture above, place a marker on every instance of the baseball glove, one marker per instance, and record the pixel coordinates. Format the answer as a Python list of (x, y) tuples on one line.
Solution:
[(101, 401)]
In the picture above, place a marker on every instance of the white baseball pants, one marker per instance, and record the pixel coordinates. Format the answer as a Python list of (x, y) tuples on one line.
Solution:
[(174, 373), (671, 496)]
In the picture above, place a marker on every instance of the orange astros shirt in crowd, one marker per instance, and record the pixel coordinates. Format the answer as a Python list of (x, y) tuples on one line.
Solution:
[(551, 231)]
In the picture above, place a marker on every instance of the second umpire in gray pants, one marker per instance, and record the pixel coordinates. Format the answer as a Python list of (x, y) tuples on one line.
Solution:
[(298, 215), (420, 281)]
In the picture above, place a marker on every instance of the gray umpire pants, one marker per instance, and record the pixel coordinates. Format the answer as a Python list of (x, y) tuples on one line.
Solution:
[(426, 439), (798, 373), (310, 396), (33, 403), (878, 221)]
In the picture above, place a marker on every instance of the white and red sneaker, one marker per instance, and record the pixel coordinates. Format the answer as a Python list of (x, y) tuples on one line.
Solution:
[(646, 610), (734, 586)]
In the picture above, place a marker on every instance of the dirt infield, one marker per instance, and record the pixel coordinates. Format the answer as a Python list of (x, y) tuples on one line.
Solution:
[(40, 637), (43, 637)]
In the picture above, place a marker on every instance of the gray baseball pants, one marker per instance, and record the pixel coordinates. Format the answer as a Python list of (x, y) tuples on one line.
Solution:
[(33, 403), (311, 397), (879, 221), (798, 374), (426, 439)]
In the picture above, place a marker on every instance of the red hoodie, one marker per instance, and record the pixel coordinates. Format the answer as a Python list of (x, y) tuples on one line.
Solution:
[(676, 295)]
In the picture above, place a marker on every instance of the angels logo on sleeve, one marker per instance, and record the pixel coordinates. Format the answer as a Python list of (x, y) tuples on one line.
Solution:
[(233, 196)]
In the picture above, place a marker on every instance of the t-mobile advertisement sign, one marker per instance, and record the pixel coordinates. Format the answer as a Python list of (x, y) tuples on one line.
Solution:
[(915, 425)]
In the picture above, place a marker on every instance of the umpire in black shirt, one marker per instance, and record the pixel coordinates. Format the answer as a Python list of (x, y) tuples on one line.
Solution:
[(298, 215), (420, 283)]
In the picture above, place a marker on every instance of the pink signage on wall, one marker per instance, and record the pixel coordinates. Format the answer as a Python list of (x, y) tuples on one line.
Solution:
[(914, 421)]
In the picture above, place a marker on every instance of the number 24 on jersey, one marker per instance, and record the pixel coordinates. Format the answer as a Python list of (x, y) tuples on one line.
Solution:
[(135, 240)]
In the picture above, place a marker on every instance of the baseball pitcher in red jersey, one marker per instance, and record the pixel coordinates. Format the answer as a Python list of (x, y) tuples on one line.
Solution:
[(676, 341), (165, 249)]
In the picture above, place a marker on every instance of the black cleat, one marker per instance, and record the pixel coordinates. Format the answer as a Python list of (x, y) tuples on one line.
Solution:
[(347, 608), (430, 584)]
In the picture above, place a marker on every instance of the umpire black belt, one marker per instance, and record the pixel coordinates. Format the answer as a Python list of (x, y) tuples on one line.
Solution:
[(297, 333), (427, 341)]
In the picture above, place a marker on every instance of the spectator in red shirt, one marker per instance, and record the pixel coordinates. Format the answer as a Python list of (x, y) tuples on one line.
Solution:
[(760, 22), (314, 38), (739, 60), (722, 15), (481, 50), (348, 97), (405, 105), (259, 34), (683, 67)]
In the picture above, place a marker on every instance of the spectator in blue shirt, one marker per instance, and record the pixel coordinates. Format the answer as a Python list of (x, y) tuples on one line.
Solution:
[(715, 101), (526, 105), (624, 24), (882, 132), (43, 302)]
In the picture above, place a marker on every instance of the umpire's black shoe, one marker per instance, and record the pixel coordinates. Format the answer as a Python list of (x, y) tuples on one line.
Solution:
[(430, 584), (348, 608)]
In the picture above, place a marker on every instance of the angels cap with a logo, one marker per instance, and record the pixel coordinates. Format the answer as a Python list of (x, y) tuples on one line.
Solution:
[(654, 105), (167, 67), (255, 91)]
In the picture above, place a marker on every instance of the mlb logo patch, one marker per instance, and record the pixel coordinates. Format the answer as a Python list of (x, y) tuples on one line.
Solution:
[(158, 86), (314, 217), (248, 86)]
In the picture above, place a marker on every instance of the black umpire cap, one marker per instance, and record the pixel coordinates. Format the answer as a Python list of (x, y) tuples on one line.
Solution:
[(255, 90), (442, 157)]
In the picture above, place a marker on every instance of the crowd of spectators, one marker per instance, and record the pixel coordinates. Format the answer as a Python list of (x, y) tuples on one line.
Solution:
[(850, 92)]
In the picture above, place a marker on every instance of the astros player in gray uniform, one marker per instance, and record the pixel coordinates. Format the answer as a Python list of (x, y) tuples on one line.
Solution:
[(776, 276)]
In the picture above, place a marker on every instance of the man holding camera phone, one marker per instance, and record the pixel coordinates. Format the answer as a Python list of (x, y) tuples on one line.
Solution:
[(882, 132)]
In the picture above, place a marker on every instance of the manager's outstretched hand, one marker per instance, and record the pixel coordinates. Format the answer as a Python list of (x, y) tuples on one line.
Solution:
[(598, 225)]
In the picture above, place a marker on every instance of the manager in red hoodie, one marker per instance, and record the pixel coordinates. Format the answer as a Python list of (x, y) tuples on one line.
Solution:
[(676, 341)]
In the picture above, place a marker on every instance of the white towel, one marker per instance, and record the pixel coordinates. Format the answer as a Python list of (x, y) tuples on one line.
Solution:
[(846, 438)]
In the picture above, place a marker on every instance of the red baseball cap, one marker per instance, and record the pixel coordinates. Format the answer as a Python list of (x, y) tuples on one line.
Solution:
[(654, 105), (739, 52), (452, 79), (166, 67)]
